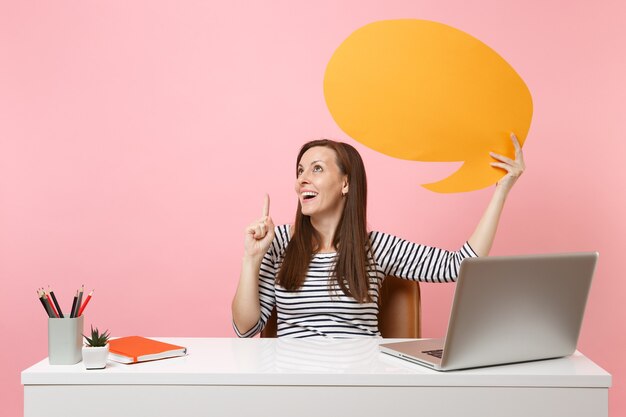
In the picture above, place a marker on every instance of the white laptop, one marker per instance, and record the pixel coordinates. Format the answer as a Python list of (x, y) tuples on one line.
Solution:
[(509, 309)]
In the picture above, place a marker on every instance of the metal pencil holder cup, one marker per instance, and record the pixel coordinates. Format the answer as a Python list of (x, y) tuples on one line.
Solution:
[(65, 340)]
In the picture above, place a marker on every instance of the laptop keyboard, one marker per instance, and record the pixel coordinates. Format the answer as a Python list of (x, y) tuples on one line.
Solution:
[(436, 353)]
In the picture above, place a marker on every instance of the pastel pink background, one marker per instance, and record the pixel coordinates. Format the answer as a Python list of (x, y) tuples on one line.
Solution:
[(137, 140)]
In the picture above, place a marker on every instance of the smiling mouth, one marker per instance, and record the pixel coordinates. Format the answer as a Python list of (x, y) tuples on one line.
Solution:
[(308, 195)]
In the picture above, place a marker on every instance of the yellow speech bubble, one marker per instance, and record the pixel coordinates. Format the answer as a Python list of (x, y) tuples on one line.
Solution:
[(424, 91)]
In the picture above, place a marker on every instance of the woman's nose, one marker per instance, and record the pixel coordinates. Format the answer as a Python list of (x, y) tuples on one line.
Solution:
[(303, 178)]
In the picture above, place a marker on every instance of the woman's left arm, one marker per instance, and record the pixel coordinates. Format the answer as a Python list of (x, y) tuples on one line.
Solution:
[(482, 238)]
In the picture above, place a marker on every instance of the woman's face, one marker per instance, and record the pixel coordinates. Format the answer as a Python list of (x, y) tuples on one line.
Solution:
[(320, 183)]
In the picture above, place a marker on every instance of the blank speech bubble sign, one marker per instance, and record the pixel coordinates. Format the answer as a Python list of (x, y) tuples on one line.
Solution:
[(424, 91)]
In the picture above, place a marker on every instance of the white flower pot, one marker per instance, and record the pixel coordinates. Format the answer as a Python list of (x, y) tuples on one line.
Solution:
[(95, 357)]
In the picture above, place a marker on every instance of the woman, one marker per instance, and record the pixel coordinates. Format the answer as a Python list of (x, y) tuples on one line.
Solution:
[(324, 273)]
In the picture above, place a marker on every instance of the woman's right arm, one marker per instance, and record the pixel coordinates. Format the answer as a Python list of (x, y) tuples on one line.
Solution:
[(246, 308)]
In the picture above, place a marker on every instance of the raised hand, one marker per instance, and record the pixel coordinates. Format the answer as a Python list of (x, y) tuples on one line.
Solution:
[(482, 238), (514, 168), (259, 234)]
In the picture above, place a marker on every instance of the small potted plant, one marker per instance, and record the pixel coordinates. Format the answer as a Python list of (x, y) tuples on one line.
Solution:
[(96, 349)]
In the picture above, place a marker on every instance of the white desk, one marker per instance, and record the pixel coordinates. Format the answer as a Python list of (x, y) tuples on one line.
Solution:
[(286, 377)]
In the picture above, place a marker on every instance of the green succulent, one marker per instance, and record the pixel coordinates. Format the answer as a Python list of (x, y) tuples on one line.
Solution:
[(97, 339)]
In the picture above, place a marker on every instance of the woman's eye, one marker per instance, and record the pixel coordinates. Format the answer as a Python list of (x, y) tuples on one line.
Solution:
[(300, 171), (317, 168)]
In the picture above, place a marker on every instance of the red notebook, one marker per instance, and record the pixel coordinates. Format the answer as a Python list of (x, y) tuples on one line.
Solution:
[(133, 349)]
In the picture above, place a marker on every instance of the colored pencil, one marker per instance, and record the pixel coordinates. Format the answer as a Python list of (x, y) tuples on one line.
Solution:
[(51, 305), (45, 307), (46, 304), (74, 305), (80, 300), (42, 303), (82, 308), (55, 302)]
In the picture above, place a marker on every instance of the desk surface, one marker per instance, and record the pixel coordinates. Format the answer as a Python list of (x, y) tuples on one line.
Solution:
[(310, 362), (350, 377)]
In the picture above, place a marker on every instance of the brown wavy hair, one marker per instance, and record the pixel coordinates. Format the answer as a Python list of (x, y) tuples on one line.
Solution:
[(350, 239)]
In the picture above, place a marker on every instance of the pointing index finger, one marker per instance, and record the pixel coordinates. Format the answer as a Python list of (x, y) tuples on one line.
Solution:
[(266, 206)]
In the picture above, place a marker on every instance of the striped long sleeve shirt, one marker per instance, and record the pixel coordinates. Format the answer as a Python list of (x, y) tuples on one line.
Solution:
[(318, 309)]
